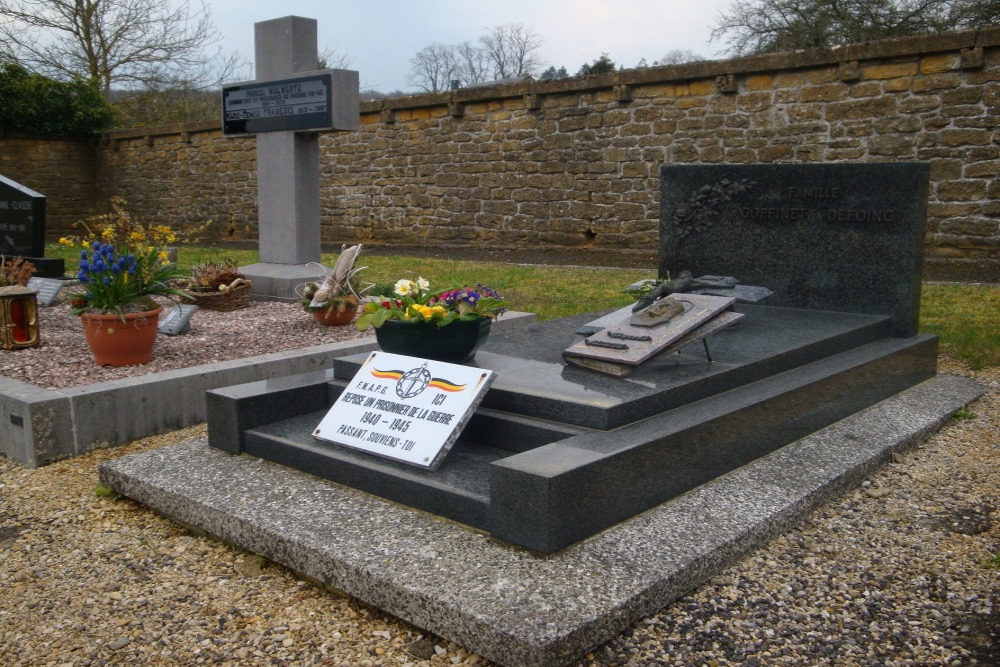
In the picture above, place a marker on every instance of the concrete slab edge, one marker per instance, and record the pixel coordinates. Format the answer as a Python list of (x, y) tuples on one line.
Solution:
[(513, 607), (48, 425)]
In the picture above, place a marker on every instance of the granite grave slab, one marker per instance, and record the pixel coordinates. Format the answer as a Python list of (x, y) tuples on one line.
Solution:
[(601, 448)]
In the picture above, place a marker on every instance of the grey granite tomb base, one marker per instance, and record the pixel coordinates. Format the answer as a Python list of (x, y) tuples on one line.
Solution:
[(502, 602)]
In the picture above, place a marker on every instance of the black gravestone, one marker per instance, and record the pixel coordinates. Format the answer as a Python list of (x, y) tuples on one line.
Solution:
[(842, 237), (22, 220), (22, 227)]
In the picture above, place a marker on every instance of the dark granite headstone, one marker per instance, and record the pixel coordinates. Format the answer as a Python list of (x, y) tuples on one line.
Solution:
[(841, 237), (22, 228), (22, 220)]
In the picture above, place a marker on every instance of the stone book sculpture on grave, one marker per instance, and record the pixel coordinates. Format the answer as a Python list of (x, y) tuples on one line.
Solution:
[(663, 326)]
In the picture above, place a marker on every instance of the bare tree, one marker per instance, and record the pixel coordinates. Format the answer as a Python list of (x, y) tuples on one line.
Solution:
[(504, 53), (678, 57), (759, 26), (333, 59), (433, 68), (131, 43), (512, 51), (472, 64)]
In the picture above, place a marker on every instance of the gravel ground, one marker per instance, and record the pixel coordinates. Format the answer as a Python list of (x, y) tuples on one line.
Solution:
[(895, 573), (64, 360)]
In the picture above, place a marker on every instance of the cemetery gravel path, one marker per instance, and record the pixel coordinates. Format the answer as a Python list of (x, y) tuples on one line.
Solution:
[(894, 573)]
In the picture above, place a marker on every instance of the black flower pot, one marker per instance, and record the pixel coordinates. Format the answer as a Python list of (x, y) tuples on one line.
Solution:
[(454, 343)]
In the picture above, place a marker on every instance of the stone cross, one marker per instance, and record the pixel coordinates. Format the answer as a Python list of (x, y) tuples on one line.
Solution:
[(288, 193)]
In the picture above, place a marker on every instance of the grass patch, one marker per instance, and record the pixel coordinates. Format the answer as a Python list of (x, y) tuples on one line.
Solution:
[(105, 492), (549, 292), (966, 317)]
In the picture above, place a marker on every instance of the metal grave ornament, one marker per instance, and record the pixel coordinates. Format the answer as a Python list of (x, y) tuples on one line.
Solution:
[(666, 325), (406, 409)]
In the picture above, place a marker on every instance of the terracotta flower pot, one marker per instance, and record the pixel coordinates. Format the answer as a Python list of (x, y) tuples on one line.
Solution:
[(335, 318), (454, 343), (117, 343)]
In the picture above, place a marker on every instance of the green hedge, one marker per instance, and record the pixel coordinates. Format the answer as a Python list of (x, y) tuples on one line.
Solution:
[(41, 106)]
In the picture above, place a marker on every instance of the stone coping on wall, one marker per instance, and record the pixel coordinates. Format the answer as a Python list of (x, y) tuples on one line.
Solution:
[(723, 72)]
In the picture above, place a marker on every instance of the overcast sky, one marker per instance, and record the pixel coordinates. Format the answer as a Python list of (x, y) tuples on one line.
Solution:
[(381, 36)]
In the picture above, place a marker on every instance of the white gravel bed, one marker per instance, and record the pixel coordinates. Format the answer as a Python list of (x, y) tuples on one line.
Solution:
[(64, 360), (894, 573)]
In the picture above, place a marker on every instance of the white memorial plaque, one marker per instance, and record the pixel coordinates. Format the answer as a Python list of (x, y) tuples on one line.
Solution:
[(406, 409)]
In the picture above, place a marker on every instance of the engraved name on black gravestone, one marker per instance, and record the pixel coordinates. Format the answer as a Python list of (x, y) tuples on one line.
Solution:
[(845, 237), (22, 220)]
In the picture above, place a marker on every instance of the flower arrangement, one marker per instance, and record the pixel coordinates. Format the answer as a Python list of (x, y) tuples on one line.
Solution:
[(122, 230), (118, 281), (417, 303), (124, 265)]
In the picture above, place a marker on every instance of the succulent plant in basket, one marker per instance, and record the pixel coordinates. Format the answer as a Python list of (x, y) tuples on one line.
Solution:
[(334, 300)]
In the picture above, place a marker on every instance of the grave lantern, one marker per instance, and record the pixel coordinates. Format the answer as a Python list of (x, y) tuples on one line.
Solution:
[(18, 318)]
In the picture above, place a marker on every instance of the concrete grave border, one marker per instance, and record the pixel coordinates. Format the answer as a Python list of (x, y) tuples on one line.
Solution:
[(39, 426)]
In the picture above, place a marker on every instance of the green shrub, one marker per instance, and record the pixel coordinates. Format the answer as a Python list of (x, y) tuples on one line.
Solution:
[(37, 105)]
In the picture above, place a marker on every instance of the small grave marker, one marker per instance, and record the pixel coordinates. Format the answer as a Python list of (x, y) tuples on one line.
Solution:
[(177, 320), (405, 409), (46, 288)]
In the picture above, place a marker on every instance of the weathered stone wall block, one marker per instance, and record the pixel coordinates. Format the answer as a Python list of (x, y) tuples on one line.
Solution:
[(574, 163)]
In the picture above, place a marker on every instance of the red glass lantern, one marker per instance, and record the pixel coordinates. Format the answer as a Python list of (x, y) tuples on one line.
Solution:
[(18, 318)]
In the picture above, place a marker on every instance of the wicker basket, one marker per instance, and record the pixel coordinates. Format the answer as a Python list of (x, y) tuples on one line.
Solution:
[(229, 297)]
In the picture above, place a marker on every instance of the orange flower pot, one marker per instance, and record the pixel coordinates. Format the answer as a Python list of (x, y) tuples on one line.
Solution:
[(114, 342), (335, 318)]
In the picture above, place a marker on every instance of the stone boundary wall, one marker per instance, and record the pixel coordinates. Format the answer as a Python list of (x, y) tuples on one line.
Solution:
[(574, 163), (60, 169)]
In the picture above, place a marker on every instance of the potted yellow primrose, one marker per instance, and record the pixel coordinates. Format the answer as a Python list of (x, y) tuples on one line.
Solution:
[(449, 325)]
